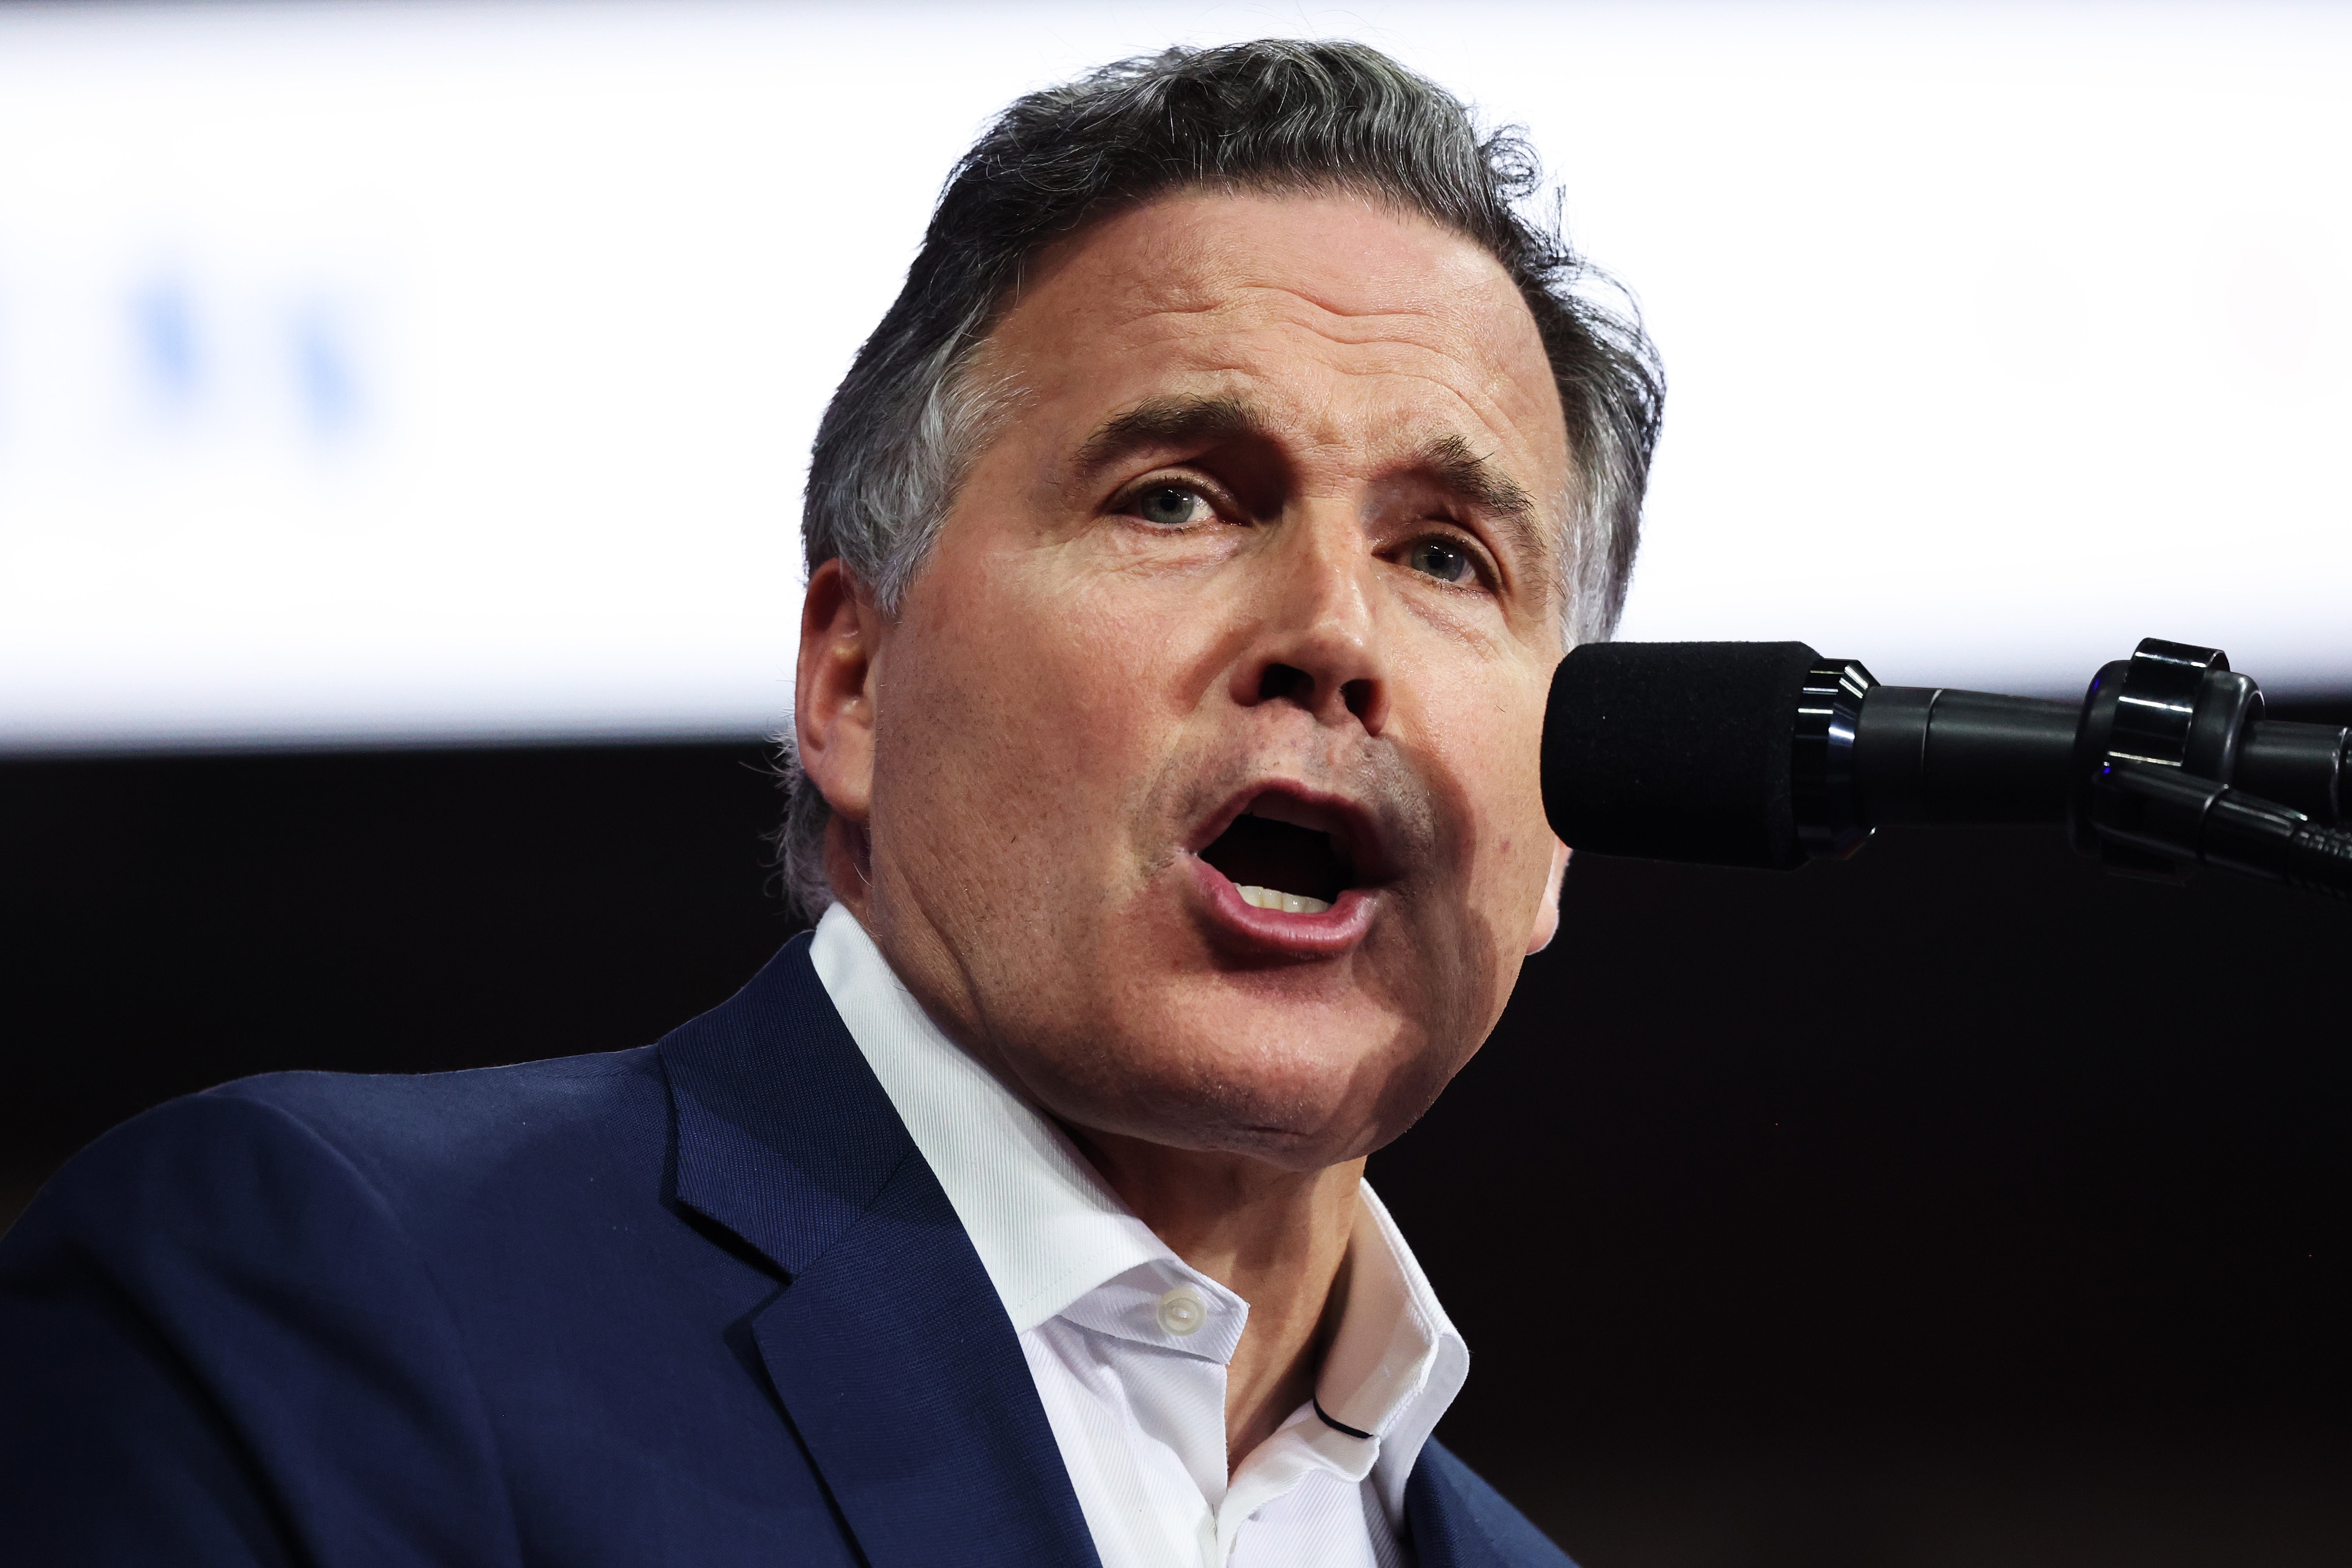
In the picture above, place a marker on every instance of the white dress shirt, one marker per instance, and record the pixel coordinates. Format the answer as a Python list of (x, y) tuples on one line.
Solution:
[(1130, 1346)]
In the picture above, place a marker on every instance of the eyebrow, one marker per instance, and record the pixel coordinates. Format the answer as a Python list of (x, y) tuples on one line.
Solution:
[(1168, 422)]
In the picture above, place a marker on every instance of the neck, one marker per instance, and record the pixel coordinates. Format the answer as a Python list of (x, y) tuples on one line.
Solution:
[(1276, 1238)]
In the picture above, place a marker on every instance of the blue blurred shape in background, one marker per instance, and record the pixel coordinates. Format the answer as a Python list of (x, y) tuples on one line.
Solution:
[(165, 319), (492, 336)]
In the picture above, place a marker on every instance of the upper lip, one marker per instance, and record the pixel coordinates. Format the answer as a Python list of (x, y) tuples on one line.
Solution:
[(1356, 832)]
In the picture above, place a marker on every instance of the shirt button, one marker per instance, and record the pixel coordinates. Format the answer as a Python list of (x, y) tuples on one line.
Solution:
[(1181, 1311)]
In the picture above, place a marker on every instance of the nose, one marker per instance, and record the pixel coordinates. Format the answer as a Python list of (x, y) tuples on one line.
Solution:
[(1315, 646)]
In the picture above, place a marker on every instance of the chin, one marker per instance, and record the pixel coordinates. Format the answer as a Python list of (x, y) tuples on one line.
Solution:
[(1298, 1143), (1317, 1098), (1163, 1037)]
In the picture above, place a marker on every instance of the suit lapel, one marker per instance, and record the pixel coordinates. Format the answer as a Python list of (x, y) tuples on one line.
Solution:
[(1442, 1536), (889, 1346)]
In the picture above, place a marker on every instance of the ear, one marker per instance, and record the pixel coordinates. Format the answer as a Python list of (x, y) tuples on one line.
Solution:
[(1547, 917), (833, 700)]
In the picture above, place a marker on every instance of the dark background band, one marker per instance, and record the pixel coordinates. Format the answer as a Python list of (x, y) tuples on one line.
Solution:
[(1958, 1192)]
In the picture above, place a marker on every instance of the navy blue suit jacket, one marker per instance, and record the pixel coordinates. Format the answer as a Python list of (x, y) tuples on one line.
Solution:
[(700, 1303)]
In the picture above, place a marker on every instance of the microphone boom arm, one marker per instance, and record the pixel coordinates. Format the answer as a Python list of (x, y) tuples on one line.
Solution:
[(1770, 755)]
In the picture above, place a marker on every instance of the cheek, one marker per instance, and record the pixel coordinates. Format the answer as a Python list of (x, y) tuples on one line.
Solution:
[(1025, 696), (1490, 734)]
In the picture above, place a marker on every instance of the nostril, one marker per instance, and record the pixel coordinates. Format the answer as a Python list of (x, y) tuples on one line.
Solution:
[(1284, 681), (1358, 696)]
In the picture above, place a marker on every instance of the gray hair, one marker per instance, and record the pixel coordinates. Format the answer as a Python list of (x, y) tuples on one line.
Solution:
[(914, 411)]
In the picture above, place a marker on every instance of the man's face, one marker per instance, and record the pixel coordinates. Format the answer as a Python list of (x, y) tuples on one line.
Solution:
[(1255, 588)]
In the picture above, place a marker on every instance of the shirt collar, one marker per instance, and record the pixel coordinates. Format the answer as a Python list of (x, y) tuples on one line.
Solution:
[(1397, 1359), (1046, 1227), (1049, 1231)]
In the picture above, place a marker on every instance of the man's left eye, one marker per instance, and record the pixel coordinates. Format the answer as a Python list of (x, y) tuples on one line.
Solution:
[(1446, 562)]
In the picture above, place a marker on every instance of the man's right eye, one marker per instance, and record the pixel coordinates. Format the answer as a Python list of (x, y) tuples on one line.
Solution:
[(1170, 506)]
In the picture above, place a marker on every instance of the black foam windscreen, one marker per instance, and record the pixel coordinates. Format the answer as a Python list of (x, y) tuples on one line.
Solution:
[(1676, 750)]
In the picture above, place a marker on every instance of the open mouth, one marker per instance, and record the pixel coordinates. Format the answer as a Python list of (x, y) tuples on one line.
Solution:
[(1294, 867)]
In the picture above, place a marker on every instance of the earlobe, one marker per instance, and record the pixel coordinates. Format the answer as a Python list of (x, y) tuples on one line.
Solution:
[(1547, 917), (833, 701)]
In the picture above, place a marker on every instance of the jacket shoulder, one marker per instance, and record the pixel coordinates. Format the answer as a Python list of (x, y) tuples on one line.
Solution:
[(316, 1316), (1456, 1517), (447, 1121), (228, 1271)]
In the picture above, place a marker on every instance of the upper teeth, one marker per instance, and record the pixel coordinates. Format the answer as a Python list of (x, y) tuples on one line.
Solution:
[(1289, 903)]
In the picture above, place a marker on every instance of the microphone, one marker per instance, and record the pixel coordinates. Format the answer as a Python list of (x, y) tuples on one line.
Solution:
[(1769, 754)]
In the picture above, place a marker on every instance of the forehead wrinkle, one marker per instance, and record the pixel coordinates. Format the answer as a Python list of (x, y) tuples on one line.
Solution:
[(1483, 392), (1458, 345), (1480, 399), (1422, 327), (1417, 310)]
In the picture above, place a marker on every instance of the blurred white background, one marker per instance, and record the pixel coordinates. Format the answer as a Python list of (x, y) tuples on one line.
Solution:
[(447, 371)]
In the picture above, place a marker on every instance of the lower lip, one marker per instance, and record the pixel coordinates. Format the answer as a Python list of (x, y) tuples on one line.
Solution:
[(1327, 935)]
